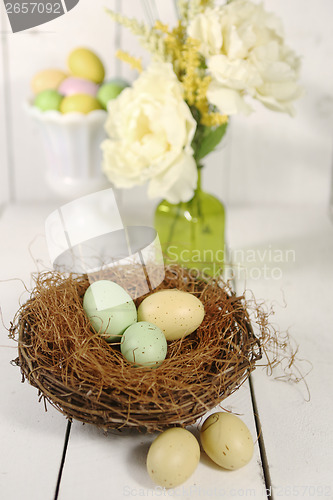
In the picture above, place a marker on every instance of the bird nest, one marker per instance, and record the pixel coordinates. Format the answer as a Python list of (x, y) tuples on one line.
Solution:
[(87, 379)]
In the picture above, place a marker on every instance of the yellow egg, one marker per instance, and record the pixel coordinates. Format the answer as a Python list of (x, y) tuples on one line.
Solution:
[(48, 79), (175, 312), (79, 103), (227, 440), (173, 457), (86, 64)]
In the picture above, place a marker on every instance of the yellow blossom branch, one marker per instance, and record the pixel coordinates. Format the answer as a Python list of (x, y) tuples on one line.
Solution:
[(206, 3), (162, 27), (183, 52), (134, 62)]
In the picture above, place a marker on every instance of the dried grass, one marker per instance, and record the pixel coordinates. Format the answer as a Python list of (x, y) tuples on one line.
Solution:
[(87, 379)]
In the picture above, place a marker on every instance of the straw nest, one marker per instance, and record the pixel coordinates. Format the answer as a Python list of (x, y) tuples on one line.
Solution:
[(87, 379)]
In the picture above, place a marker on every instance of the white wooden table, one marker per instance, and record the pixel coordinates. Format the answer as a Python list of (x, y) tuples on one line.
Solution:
[(295, 459)]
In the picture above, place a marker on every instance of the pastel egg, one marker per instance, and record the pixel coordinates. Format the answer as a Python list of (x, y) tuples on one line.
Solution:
[(86, 64), (173, 457), (79, 103), (73, 85), (227, 440), (144, 344), (48, 79), (48, 100), (110, 90), (175, 312), (109, 308)]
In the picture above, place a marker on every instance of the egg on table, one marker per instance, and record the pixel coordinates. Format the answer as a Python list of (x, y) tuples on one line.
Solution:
[(109, 308), (226, 440), (175, 312), (74, 85), (84, 63), (144, 344), (47, 79), (173, 457), (79, 103)]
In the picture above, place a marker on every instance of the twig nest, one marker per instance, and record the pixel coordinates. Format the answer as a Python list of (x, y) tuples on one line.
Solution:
[(88, 379)]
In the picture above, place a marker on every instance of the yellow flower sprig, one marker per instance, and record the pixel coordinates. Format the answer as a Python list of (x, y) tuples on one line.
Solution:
[(134, 62), (173, 42), (176, 47), (191, 76), (150, 39), (188, 9), (206, 3), (187, 62)]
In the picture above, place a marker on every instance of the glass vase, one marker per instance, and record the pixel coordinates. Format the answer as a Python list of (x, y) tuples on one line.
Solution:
[(192, 233)]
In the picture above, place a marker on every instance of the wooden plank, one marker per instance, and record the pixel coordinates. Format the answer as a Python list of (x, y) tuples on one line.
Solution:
[(32, 439), (116, 462), (295, 246)]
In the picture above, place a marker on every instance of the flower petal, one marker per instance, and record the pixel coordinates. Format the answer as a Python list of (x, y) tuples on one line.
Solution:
[(177, 183)]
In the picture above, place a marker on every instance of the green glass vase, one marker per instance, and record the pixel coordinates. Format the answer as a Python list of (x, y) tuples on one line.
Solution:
[(192, 233)]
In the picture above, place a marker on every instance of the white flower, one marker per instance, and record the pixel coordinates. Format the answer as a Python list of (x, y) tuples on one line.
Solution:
[(150, 130), (252, 59), (232, 79), (279, 69), (206, 28)]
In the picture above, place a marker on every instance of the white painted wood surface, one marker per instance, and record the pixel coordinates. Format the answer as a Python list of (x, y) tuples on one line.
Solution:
[(31, 439), (117, 463), (297, 434)]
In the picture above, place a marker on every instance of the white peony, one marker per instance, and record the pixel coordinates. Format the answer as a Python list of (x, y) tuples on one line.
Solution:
[(232, 80), (252, 59), (206, 28), (150, 129), (278, 68)]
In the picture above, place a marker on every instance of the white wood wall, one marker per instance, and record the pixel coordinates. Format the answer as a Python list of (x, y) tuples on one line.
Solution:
[(268, 157)]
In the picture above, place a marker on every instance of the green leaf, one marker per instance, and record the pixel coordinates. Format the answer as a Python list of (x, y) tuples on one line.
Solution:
[(210, 139)]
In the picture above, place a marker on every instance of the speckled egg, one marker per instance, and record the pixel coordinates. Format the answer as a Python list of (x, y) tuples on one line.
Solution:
[(144, 344), (84, 63), (74, 85), (173, 457), (175, 312), (109, 308), (226, 440), (47, 79), (79, 103)]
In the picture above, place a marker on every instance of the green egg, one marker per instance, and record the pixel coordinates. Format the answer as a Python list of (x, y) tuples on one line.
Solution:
[(144, 344), (79, 103), (48, 100), (110, 90), (109, 308)]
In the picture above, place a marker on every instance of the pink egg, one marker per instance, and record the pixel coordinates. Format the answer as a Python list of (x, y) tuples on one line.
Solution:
[(73, 85)]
